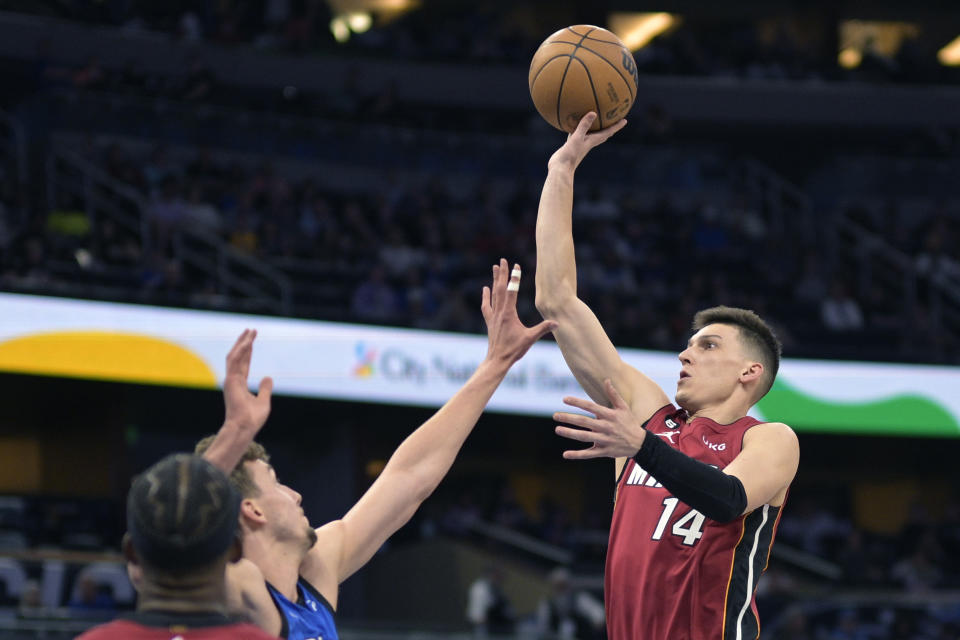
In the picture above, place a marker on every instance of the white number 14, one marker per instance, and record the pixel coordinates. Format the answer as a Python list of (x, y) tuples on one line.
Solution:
[(691, 533)]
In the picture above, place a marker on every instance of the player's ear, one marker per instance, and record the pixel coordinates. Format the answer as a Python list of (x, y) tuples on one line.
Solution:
[(753, 371), (251, 512), (129, 553)]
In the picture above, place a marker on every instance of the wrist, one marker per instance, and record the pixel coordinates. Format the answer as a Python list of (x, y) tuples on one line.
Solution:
[(563, 165), (234, 426), (638, 440), (494, 367)]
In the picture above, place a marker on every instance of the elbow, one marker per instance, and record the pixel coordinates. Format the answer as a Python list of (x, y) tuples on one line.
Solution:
[(551, 304), (724, 514)]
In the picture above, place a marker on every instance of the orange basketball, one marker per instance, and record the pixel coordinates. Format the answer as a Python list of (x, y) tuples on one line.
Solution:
[(579, 69)]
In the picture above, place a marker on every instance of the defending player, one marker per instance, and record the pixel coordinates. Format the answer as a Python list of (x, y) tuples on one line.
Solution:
[(181, 534), (289, 578), (699, 488)]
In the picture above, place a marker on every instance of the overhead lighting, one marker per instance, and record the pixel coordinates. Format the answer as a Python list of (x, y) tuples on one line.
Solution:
[(850, 58), (359, 21), (339, 29), (950, 55), (874, 37), (638, 29), (384, 10)]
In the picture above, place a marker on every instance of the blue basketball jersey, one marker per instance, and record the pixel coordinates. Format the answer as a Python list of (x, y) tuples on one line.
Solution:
[(310, 618)]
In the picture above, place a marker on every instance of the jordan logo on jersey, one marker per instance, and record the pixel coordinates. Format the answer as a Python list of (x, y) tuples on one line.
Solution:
[(669, 435)]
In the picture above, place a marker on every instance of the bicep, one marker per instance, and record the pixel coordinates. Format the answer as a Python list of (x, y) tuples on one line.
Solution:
[(385, 507), (767, 464), (592, 358)]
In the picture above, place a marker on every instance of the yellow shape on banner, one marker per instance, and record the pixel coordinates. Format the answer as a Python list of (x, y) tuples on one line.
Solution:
[(103, 355)]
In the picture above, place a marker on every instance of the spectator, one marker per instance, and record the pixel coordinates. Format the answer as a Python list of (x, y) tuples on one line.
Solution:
[(839, 311), (375, 300), (489, 612), (91, 600), (569, 613)]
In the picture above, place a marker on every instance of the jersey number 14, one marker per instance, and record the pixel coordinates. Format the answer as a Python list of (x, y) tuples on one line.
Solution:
[(687, 527)]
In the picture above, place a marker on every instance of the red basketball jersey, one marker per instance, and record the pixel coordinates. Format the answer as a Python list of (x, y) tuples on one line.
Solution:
[(672, 573), (129, 630)]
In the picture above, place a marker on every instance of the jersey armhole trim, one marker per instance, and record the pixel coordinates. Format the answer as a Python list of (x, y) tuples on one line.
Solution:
[(316, 594), (284, 625)]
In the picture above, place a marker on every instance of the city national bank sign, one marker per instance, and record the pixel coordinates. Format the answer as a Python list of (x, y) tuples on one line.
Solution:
[(175, 347)]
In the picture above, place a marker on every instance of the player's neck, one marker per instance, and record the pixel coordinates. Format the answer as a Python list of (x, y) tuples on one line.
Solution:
[(725, 412), (208, 596), (278, 562)]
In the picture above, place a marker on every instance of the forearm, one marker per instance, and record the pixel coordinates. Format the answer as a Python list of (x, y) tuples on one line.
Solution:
[(709, 490), (556, 277), (228, 446), (427, 454)]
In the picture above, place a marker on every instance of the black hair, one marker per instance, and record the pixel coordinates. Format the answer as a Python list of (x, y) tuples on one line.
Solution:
[(182, 513)]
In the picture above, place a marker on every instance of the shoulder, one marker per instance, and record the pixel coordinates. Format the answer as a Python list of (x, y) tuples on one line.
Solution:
[(109, 631), (771, 434), (247, 595)]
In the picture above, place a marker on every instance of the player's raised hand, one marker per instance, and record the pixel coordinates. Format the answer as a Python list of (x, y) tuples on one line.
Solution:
[(613, 431), (244, 410), (507, 338), (581, 141)]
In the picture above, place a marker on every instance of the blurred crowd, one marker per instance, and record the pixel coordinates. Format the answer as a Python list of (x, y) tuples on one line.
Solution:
[(415, 253), (785, 48)]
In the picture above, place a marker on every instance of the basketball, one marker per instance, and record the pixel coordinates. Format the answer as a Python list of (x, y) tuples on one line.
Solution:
[(579, 69)]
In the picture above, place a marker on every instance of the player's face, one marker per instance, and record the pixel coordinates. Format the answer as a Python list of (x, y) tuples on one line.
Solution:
[(281, 506), (711, 367)]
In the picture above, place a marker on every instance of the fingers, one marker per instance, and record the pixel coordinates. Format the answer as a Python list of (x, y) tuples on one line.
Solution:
[(575, 434), (586, 405), (238, 359), (485, 307), (513, 286), (506, 284), (616, 400), (238, 345), (585, 123), (265, 390), (542, 329), (583, 454), (612, 130), (603, 135), (578, 419)]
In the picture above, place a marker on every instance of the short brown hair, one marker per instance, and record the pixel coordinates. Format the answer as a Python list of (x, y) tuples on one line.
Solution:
[(756, 335), (240, 478)]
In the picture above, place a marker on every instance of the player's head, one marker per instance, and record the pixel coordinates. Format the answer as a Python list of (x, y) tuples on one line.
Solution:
[(181, 522), (732, 351), (268, 507)]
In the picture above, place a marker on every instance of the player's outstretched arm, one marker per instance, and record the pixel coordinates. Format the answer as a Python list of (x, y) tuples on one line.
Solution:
[(759, 475), (245, 413), (423, 459), (585, 346)]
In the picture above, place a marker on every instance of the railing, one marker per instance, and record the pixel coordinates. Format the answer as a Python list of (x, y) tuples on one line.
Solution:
[(243, 280), (791, 211), (873, 261)]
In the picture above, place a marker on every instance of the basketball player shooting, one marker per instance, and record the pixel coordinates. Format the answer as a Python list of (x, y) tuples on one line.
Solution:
[(700, 485), (290, 575)]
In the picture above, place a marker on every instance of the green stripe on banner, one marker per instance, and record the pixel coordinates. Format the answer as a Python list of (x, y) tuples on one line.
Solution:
[(900, 415)]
